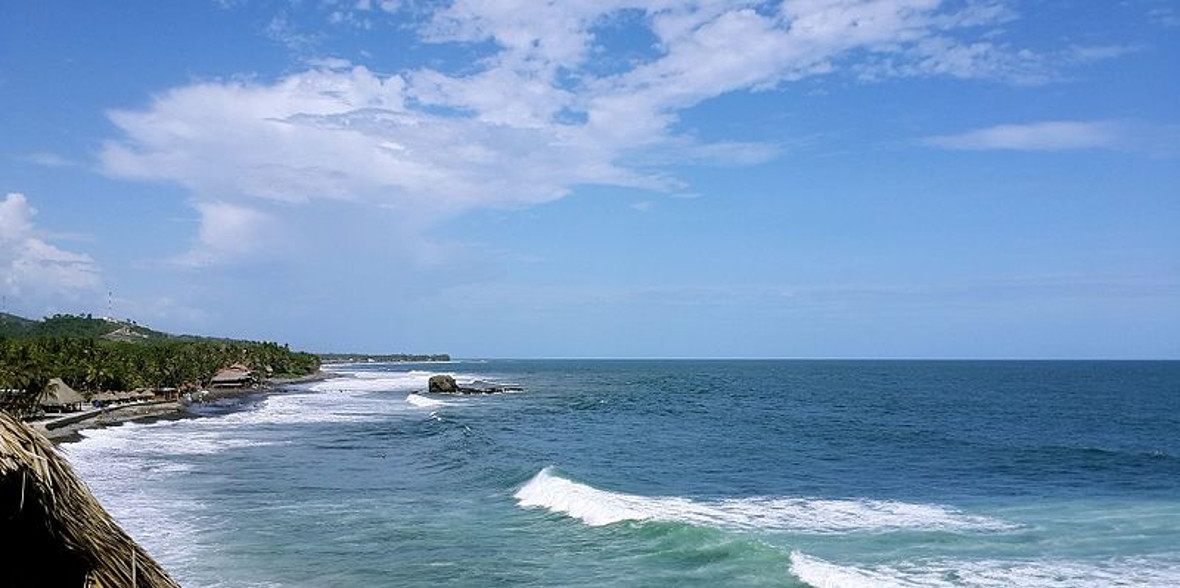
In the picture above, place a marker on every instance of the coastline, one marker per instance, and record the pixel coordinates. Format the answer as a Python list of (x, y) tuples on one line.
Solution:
[(170, 410)]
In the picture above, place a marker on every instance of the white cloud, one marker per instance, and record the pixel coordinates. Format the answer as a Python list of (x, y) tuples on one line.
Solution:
[(1101, 52), (16, 218), (533, 119), (230, 233), (1039, 136), (34, 269)]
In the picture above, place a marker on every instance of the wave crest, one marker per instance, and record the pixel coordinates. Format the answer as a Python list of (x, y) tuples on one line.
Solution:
[(423, 402), (987, 574), (600, 507)]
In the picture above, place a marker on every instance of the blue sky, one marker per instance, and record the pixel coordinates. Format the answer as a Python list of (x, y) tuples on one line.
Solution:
[(613, 178)]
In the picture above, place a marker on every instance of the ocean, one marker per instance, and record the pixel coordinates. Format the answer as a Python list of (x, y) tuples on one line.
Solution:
[(666, 473)]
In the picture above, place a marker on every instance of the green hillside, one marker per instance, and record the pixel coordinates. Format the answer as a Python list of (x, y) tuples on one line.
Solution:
[(76, 326), (12, 325)]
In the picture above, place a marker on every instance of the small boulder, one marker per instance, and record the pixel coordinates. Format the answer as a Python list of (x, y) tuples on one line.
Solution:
[(443, 384)]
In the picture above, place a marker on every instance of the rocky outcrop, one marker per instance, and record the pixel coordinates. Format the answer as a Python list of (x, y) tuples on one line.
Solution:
[(482, 387), (443, 384)]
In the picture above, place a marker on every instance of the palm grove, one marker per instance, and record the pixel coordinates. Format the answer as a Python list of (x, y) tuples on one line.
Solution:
[(93, 354)]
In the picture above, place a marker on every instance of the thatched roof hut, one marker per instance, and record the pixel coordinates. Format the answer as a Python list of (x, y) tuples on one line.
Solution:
[(58, 533), (234, 376), (167, 393), (142, 394), (105, 397), (60, 395)]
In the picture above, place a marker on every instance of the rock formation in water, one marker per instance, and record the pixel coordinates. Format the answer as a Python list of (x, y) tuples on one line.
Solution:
[(443, 384)]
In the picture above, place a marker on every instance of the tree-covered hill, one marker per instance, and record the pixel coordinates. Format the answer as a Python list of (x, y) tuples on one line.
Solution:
[(93, 354), (79, 326), (10, 324)]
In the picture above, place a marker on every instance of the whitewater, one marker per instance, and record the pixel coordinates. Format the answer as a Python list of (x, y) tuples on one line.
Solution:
[(650, 473)]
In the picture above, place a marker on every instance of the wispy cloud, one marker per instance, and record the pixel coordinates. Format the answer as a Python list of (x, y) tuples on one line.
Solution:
[(1039, 136), (46, 159), (1101, 52), (1122, 135), (283, 30), (229, 233), (1166, 17), (533, 119)]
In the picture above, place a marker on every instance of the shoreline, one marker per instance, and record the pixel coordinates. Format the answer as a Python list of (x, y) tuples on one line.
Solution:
[(169, 410)]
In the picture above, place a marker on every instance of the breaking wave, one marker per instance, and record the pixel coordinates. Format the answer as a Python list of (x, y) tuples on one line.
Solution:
[(987, 574), (374, 381), (423, 402), (600, 507)]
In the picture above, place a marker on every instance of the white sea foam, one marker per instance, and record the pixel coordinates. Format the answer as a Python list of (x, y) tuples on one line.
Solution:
[(166, 439), (375, 381), (423, 402), (362, 381), (355, 397), (125, 465), (1139, 572), (129, 467), (600, 507)]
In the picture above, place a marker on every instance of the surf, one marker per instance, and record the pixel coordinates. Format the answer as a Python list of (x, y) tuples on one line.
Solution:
[(596, 507), (421, 401), (986, 573)]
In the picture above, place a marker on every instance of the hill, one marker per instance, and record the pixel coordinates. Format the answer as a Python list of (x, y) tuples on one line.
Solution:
[(77, 326), (11, 325), (95, 354)]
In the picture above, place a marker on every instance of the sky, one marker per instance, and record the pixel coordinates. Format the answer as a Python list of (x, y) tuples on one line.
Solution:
[(601, 178)]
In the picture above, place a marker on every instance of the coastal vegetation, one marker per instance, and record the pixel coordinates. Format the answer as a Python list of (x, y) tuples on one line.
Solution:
[(94, 354), (78, 326)]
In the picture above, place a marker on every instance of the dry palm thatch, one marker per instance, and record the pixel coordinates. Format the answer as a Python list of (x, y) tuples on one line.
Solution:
[(54, 532), (60, 394)]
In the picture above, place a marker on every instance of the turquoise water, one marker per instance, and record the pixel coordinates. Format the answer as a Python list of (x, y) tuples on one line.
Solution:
[(667, 473)]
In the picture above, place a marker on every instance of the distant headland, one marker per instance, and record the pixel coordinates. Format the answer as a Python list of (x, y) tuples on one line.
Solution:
[(381, 358)]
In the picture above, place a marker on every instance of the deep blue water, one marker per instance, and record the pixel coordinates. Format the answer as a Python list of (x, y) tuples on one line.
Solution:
[(668, 473)]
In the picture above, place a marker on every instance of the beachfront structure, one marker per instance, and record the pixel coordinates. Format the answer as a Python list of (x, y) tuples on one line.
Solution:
[(234, 376), (59, 396), (114, 398), (105, 398), (56, 533)]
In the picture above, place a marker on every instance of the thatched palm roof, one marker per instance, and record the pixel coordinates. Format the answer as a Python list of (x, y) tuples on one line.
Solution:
[(105, 397), (58, 393), (56, 532), (233, 373)]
